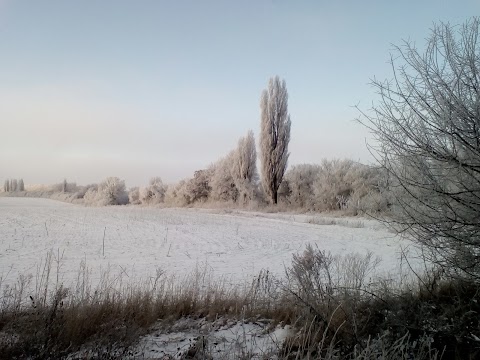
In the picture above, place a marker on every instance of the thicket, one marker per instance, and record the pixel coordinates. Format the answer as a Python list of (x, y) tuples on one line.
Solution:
[(333, 185)]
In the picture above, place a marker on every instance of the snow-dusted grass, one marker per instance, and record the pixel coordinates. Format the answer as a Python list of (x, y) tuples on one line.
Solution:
[(138, 241)]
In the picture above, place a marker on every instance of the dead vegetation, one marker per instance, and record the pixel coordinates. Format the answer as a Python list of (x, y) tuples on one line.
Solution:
[(336, 305)]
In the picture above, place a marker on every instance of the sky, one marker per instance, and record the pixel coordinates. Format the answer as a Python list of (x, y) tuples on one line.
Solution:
[(137, 89)]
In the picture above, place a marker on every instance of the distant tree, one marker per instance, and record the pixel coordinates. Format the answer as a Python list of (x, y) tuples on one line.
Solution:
[(111, 191), (274, 136), (13, 185), (154, 193), (244, 161), (300, 180), (134, 196), (21, 185), (199, 188), (6, 186), (223, 184), (176, 194), (64, 185), (331, 187)]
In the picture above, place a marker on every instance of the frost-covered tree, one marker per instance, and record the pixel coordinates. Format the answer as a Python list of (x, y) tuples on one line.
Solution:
[(300, 180), (427, 127), (332, 188), (243, 167), (334, 185), (109, 192), (176, 194), (134, 196), (274, 135), (154, 193), (233, 176), (21, 185), (222, 183), (244, 161), (113, 191), (199, 188)]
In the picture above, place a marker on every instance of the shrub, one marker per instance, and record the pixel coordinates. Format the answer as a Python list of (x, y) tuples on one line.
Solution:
[(109, 192), (134, 196), (297, 187), (154, 193), (223, 184)]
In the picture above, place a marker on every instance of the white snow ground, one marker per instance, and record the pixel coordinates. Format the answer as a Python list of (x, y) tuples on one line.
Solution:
[(222, 339), (138, 240)]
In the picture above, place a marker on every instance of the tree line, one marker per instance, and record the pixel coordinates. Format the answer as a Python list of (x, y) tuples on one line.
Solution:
[(12, 185)]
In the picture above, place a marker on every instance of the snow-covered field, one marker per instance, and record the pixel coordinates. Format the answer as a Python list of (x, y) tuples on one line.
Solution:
[(138, 240)]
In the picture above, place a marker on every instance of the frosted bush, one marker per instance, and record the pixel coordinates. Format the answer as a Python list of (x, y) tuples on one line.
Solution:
[(223, 186), (176, 195), (331, 188), (198, 188), (110, 192), (134, 196), (154, 193), (298, 186)]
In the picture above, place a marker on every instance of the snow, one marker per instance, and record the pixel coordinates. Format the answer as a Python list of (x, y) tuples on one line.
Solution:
[(234, 245), (222, 339)]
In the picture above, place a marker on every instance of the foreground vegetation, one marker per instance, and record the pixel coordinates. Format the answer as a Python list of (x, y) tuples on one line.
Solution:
[(337, 310)]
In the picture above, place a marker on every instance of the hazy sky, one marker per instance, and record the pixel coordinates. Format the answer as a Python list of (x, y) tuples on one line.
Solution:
[(135, 89)]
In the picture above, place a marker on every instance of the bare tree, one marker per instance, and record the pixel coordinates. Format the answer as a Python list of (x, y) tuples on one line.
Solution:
[(427, 126), (21, 185), (274, 135), (6, 186)]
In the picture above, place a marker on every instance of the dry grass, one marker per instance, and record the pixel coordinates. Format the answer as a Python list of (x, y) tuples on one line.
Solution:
[(321, 220), (337, 311), (54, 321)]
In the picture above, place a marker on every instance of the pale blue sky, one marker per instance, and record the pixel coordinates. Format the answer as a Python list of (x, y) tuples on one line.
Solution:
[(136, 89)]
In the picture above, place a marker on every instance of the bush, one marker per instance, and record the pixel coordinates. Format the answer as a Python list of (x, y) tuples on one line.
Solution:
[(176, 194), (334, 185), (297, 187), (109, 192), (223, 184), (154, 193), (198, 189), (134, 196), (344, 311)]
